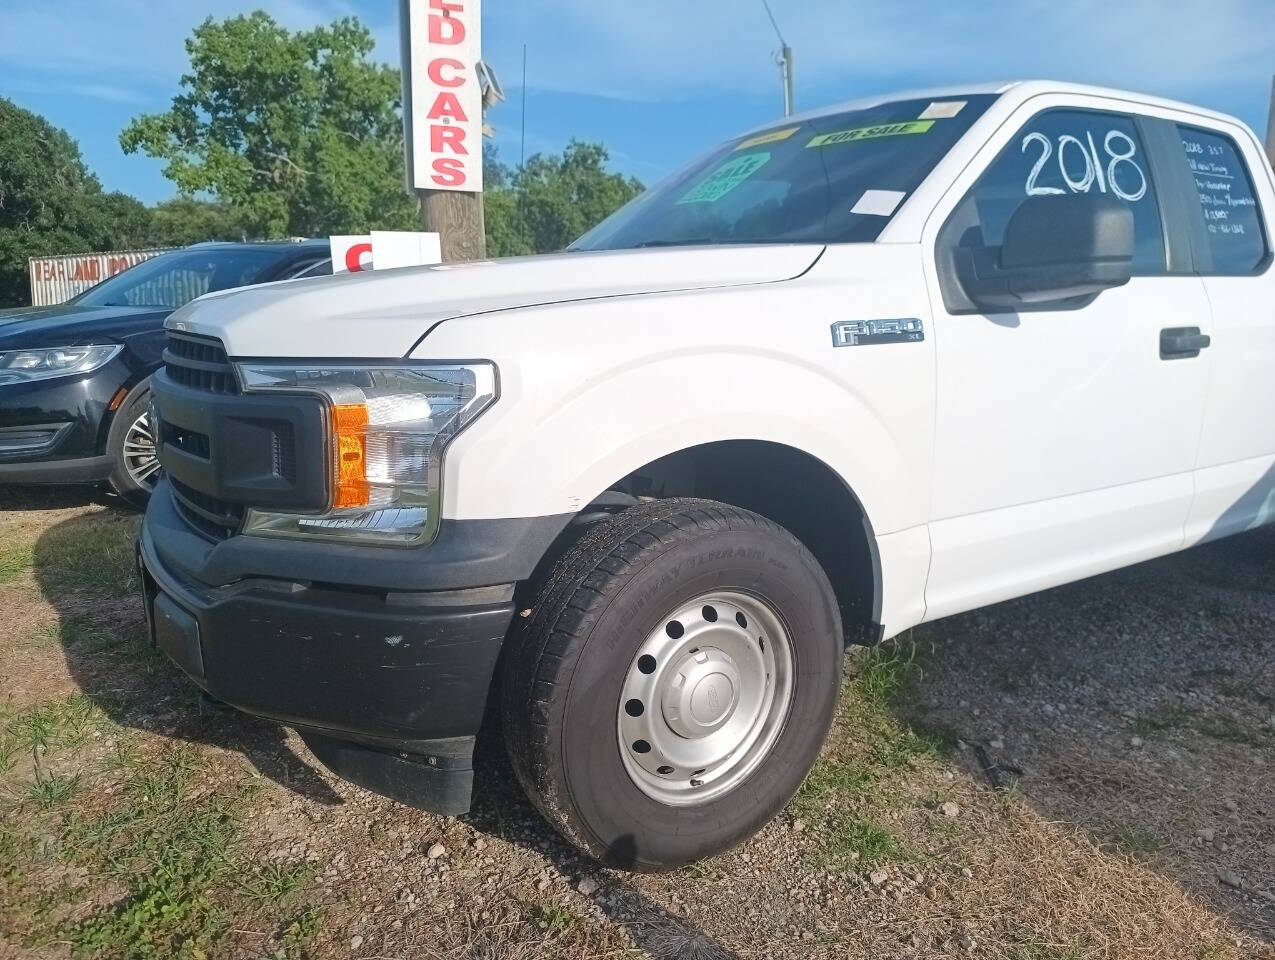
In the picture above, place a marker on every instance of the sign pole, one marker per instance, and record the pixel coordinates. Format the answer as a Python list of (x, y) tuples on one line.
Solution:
[(457, 218), (443, 120)]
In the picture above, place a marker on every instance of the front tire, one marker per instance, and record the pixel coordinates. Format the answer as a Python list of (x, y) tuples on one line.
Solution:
[(674, 682), (131, 446)]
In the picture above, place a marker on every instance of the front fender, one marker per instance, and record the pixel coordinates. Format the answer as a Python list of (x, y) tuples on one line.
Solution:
[(570, 422)]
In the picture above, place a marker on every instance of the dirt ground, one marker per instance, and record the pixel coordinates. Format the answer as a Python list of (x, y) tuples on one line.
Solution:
[(1085, 773)]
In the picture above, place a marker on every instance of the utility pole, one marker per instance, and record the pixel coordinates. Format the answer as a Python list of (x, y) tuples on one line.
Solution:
[(783, 60), (458, 220), (1270, 128), (457, 217)]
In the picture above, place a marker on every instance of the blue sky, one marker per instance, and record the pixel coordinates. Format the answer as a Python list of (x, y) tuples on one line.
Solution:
[(660, 80)]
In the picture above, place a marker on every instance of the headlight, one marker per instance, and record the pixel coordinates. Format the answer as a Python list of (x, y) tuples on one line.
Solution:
[(21, 366), (389, 426)]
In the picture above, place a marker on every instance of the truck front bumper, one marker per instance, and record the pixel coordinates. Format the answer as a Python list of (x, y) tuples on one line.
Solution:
[(388, 687)]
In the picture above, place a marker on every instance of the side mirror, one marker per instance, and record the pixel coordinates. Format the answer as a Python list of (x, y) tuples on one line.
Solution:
[(1056, 248)]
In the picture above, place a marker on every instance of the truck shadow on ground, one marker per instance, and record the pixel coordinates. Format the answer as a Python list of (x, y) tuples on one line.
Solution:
[(1138, 705), (84, 570), (35, 497), (501, 810)]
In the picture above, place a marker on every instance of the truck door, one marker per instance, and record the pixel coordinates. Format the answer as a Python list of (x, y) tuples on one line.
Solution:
[(1228, 210), (1065, 438)]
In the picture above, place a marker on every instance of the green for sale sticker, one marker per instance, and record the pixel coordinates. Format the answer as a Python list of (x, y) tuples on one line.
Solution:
[(871, 133), (726, 178)]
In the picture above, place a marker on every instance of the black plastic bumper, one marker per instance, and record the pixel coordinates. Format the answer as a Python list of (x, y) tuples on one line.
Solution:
[(388, 689), (52, 431), (86, 470)]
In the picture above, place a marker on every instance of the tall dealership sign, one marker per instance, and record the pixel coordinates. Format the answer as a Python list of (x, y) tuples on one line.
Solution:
[(442, 101)]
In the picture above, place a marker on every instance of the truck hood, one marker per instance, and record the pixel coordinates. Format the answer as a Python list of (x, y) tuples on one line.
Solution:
[(384, 313)]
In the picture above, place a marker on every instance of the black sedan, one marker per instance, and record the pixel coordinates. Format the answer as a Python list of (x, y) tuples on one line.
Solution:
[(74, 377)]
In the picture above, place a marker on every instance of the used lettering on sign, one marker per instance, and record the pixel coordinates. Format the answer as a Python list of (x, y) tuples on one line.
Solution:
[(443, 108)]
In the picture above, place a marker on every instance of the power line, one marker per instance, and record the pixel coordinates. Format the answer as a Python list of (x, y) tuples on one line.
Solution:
[(766, 4), (783, 60)]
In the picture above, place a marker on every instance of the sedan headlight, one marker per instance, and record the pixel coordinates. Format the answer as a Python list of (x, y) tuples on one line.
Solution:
[(21, 366), (389, 426)]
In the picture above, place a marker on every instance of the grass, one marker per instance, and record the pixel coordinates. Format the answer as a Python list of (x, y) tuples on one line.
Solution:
[(1212, 952), (278, 882), (167, 841), (170, 851), (1134, 839), (51, 790), (295, 934), (871, 745), (88, 555), (15, 559), (886, 670), (1228, 730), (552, 918), (86, 636), (1160, 720), (67, 722), (859, 843)]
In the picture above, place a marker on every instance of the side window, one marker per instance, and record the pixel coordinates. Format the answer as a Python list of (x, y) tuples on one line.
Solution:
[(311, 268), (1069, 151), (1227, 203)]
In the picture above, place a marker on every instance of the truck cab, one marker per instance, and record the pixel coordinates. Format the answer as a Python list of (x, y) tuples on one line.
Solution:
[(848, 373)]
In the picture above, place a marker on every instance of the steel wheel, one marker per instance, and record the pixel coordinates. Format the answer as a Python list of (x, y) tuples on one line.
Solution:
[(140, 461), (705, 698)]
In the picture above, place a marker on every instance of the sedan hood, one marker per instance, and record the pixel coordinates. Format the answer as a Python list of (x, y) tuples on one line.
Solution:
[(69, 324), (383, 314)]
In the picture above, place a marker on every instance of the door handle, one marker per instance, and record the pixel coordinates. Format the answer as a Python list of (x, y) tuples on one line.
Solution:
[(1178, 343)]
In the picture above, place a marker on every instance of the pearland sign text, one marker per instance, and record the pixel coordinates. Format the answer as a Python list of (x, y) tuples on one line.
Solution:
[(442, 102)]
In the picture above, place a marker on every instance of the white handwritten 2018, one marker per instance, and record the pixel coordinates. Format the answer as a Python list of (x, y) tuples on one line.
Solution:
[(1094, 172)]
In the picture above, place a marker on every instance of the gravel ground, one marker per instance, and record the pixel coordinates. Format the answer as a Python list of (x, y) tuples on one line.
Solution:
[(1089, 772)]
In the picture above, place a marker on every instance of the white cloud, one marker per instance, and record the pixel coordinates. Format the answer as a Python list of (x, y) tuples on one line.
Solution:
[(105, 91)]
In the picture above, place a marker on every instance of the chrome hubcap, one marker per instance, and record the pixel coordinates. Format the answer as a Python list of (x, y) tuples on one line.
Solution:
[(705, 698), (140, 461)]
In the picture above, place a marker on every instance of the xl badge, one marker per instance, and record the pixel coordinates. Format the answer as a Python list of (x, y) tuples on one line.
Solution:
[(866, 333)]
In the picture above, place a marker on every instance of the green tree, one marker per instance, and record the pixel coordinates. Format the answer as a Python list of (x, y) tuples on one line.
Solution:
[(51, 204), (552, 200), (300, 133), (185, 220)]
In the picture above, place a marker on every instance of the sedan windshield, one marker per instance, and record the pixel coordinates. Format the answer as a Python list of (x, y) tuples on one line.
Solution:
[(174, 279), (836, 178)]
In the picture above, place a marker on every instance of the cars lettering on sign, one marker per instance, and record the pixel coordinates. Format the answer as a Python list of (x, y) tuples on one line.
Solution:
[(444, 47)]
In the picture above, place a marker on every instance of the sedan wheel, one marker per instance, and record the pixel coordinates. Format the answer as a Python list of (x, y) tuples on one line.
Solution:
[(140, 460)]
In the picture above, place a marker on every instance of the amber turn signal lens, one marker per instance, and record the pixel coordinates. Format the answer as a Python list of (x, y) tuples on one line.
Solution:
[(349, 439)]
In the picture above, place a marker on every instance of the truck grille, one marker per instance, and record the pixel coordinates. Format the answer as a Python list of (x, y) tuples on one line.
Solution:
[(225, 450), (200, 363), (215, 519)]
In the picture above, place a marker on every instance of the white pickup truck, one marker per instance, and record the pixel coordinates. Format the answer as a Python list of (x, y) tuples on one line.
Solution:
[(848, 373)]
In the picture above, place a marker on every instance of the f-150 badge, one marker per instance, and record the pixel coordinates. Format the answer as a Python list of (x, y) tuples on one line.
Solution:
[(866, 333)]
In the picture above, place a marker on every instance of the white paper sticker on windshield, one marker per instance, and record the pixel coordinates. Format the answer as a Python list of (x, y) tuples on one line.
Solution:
[(941, 110), (878, 203)]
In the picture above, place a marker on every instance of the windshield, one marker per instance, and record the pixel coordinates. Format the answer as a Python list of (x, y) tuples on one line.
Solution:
[(174, 279), (830, 179)]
